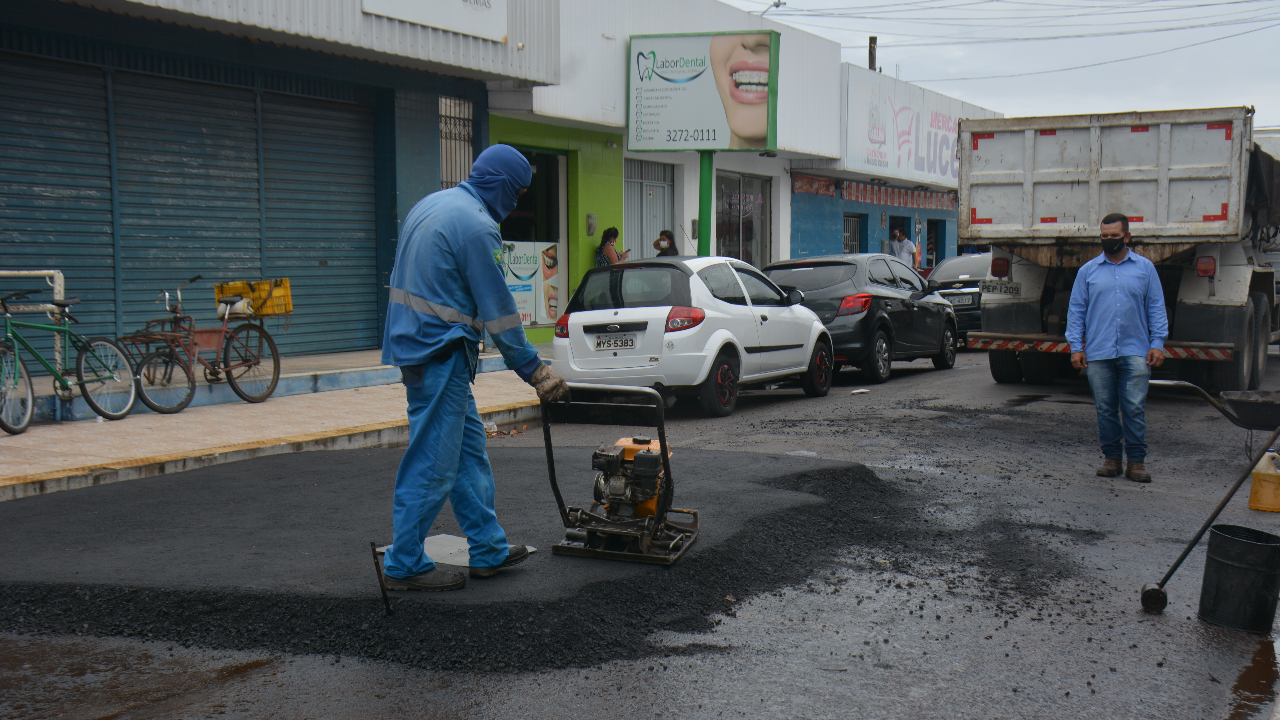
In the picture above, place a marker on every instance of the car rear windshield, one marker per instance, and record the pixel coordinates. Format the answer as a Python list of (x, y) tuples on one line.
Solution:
[(628, 287), (812, 277), (975, 266)]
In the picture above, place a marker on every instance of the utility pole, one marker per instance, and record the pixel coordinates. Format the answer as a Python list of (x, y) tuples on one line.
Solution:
[(871, 54)]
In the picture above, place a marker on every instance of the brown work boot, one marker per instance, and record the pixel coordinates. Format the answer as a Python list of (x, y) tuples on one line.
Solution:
[(1137, 472), (1110, 467)]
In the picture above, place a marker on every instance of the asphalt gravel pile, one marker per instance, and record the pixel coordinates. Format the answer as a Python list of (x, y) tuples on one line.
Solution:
[(797, 525)]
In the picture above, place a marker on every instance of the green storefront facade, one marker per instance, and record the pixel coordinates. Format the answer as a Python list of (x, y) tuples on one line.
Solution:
[(592, 184)]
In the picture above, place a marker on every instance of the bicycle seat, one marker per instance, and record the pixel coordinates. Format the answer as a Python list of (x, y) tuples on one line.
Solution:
[(230, 299), (66, 302)]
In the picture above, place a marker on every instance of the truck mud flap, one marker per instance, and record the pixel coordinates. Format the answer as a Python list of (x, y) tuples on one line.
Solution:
[(1020, 318)]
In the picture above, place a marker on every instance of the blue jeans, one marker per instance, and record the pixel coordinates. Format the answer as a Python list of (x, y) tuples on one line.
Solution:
[(1119, 388), (445, 459)]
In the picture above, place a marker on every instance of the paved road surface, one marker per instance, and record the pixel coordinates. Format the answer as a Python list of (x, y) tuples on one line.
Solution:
[(938, 547)]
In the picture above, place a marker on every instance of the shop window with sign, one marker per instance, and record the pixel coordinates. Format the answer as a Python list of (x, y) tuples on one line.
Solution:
[(743, 217), (532, 242)]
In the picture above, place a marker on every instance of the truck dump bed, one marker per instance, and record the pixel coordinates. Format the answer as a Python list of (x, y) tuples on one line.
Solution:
[(1180, 176)]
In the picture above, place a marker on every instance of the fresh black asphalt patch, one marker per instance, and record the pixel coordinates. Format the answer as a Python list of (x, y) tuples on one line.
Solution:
[(273, 554)]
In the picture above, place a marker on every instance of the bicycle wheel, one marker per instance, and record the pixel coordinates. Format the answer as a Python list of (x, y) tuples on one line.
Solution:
[(164, 383), (250, 363), (106, 378), (16, 397)]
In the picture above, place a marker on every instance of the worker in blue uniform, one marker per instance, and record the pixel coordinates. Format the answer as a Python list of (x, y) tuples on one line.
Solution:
[(447, 285)]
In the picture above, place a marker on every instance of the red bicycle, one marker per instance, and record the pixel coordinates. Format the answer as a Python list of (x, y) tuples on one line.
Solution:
[(168, 349)]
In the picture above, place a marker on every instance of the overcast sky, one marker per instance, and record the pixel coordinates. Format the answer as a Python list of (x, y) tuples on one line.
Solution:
[(928, 42)]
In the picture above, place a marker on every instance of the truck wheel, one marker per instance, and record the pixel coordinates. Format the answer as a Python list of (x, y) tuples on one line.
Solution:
[(1261, 338), (1005, 367), (1238, 372), (1039, 368)]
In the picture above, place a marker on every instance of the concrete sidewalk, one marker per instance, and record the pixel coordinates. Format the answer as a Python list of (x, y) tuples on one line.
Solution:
[(50, 457)]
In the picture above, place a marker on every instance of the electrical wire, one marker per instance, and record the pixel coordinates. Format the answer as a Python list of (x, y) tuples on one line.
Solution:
[(1105, 62)]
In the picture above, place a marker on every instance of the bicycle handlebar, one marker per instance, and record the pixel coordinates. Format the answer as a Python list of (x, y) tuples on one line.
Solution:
[(21, 294)]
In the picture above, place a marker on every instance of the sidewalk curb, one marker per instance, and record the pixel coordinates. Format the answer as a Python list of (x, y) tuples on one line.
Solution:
[(385, 434)]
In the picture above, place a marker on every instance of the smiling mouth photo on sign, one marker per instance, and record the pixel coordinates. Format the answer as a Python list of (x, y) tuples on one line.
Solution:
[(741, 67)]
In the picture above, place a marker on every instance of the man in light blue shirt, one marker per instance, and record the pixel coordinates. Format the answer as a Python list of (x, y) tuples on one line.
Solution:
[(1116, 325)]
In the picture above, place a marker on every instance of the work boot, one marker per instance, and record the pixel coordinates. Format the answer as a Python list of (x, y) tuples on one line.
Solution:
[(515, 555), (1110, 467), (433, 580), (1137, 472)]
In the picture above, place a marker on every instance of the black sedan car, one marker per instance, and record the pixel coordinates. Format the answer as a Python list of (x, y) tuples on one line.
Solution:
[(957, 279), (876, 308)]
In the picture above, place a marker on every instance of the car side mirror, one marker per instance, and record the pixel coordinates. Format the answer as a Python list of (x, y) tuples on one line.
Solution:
[(933, 285), (794, 297)]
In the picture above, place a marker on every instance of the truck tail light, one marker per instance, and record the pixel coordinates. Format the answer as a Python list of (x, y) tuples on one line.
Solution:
[(1206, 266), (683, 318), (1000, 267), (562, 326), (854, 304)]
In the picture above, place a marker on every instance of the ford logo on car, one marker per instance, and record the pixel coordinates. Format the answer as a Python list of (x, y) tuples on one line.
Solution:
[(614, 328)]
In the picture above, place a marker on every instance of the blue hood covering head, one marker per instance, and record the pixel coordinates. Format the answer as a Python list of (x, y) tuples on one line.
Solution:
[(496, 175)]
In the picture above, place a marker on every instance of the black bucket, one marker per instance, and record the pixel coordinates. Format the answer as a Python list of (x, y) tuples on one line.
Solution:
[(1241, 579)]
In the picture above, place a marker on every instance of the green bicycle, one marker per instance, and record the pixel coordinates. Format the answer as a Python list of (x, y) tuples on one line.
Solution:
[(103, 372)]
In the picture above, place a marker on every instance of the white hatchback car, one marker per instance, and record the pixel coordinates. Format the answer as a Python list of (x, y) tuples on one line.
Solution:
[(699, 326)]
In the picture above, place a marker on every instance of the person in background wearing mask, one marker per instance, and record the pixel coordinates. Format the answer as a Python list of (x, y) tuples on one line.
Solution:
[(447, 285), (665, 244), (1116, 325), (605, 253), (903, 248)]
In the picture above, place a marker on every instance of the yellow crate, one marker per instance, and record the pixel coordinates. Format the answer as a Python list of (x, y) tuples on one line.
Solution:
[(270, 297)]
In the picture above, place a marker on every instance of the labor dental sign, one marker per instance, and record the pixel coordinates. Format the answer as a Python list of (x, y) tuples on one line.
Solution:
[(714, 91)]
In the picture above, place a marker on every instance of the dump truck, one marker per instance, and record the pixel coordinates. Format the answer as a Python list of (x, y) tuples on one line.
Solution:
[(1203, 203)]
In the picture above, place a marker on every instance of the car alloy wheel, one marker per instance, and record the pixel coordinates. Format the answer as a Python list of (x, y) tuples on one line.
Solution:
[(726, 384), (882, 355)]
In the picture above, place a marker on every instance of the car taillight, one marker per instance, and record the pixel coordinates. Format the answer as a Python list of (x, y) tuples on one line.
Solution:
[(854, 304), (1000, 267), (683, 318), (562, 326), (1206, 266)]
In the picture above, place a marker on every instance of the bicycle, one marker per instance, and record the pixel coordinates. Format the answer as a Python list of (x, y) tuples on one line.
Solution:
[(103, 371), (245, 357)]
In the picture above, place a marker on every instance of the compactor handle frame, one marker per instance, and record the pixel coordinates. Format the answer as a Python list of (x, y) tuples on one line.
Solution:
[(659, 406)]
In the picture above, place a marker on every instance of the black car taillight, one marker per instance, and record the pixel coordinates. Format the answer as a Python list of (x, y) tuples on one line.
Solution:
[(854, 304)]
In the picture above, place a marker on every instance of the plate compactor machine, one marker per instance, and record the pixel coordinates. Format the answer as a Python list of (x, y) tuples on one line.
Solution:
[(631, 517)]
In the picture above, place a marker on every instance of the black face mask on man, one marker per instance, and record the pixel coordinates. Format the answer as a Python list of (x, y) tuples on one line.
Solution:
[(1112, 246)]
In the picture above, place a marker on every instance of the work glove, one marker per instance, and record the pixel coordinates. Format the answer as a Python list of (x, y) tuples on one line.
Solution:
[(550, 386)]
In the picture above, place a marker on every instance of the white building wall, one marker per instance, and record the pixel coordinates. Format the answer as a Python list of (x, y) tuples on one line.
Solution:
[(531, 53), (594, 66)]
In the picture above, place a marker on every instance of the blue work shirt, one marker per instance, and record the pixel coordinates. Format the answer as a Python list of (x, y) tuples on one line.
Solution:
[(448, 283), (1117, 309)]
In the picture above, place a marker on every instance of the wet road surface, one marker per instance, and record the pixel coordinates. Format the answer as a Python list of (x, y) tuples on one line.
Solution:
[(938, 547)]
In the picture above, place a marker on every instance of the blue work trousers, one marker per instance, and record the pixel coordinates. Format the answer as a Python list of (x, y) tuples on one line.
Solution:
[(1119, 388), (445, 459)]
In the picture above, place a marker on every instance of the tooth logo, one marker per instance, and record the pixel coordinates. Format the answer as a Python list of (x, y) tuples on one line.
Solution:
[(644, 64)]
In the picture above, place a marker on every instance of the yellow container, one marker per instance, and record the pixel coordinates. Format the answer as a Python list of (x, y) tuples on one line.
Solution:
[(270, 297), (1264, 494)]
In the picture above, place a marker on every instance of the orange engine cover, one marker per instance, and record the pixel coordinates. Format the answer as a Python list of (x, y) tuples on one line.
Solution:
[(631, 447)]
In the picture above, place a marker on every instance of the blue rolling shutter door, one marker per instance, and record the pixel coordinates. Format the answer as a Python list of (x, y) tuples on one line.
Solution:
[(188, 191), (320, 221), (55, 188)]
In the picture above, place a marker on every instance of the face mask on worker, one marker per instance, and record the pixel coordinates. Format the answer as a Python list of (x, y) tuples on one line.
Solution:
[(663, 244), (1112, 246)]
